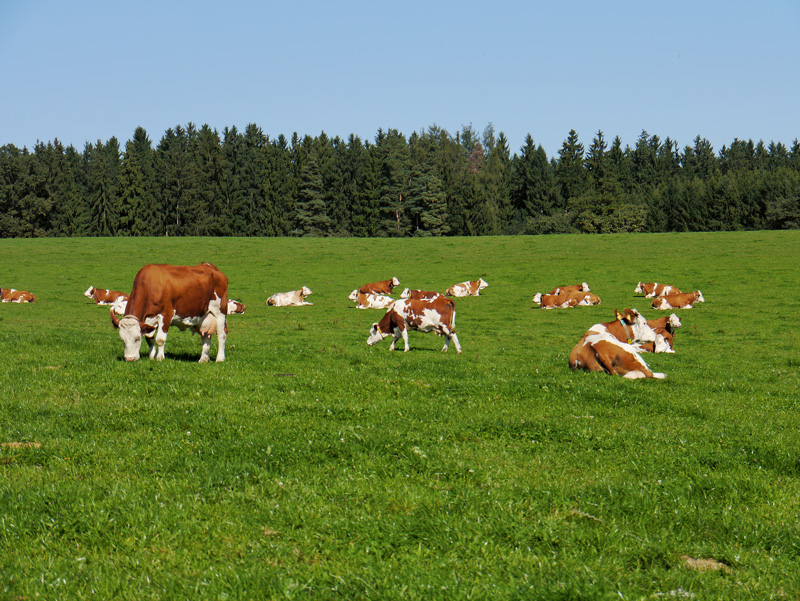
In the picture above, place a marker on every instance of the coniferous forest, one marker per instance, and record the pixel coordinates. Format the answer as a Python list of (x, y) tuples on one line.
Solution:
[(198, 182)]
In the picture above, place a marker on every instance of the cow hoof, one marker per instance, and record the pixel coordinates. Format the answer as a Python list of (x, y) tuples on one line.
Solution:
[(203, 360)]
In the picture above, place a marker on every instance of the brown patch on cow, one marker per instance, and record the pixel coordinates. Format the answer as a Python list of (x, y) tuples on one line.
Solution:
[(20, 445), (705, 565)]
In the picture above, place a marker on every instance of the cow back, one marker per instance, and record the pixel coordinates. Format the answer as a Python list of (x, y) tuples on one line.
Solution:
[(184, 290)]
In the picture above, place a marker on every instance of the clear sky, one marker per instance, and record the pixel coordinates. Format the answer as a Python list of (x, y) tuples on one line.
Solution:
[(84, 71)]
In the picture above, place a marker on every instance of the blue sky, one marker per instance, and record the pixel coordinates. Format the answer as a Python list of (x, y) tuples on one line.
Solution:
[(88, 70)]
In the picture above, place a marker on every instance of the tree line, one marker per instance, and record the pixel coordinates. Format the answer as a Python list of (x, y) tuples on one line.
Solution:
[(198, 182)]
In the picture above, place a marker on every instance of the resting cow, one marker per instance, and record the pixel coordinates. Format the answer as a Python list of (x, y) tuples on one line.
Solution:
[(421, 294), (610, 347), (104, 296), (370, 301), (235, 307), (565, 300), (437, 315), (685, 300), (665, 326), (382, 287), (654, 289), (193, 297), (471, 288), (295, 298), (10, 295), (584, 287)]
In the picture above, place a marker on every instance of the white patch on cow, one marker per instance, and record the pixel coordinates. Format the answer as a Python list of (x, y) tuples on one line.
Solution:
[(405, 293), (537, 298), (375, 335), (89, 292), (354, 295), (639, 289), (395, 282), (674, 321), (131, 334), (700, 298)]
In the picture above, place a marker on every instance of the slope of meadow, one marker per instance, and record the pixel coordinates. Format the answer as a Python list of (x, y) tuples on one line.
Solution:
[(311, 465)]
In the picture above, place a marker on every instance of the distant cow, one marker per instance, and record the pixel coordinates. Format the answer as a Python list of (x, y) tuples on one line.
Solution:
[(472, 288), (188, 297), (565, 300), (382, 287), (10, 295), (423, 294), (437, 315), (295, 298), (685, 300), (584, 287), (609, 347), (235, 307), (104, 296), (369, 300), (654, 289)]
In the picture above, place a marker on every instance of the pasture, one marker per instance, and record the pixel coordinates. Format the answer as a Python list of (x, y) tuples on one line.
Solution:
[(309, 465)]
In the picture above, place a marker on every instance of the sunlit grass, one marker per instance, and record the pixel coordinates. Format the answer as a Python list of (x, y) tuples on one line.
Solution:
[(311, 465)]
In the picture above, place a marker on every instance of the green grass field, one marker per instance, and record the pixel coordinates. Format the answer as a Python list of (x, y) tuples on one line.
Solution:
[(309, 465)]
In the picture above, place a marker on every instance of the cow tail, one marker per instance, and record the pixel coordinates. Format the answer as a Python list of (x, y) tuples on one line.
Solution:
[(452, 304)]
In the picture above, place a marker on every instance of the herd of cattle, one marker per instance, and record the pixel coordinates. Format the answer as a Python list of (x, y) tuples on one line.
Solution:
[(196, 298)]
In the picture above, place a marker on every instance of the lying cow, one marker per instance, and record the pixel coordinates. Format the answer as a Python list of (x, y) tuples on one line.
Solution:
[(665, 326), (10, 295), (584, 287), (235, 307), (654, 289), (421, 294), (382, 287), (189, 297), (611, 347), (437, 315), (295, 298), (684, 300), (472, 288), (565, 300), (104, 296), (369, 300)]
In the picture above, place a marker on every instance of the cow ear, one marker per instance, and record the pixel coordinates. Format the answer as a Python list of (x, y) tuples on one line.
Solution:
[(619, 316)]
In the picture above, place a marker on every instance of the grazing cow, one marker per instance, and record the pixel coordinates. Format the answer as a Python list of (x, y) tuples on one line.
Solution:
[(685, 300), (565, 300), (235, 307), (369, 300), (654, 289), (422, 294), (382, 287), (193, 297), (437, 315), (610, 347), (295, 298), (104, 296), (472, 288), (584, 287), (10, 295)]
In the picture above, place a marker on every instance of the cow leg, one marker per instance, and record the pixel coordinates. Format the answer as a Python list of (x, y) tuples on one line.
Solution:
[(151, 346), (161, 336), (206, 341), (396, 334), (215, 308), (404, 332)]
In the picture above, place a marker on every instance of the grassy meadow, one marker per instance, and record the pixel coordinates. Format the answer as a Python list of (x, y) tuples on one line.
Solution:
[(308, 465)]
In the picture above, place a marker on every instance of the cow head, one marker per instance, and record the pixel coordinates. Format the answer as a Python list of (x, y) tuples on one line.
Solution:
[(353, 295), (639, 288), (89, 293), (405, 293), (395, 282), (699, 296), (585, 287), (481, 284), (673, 321), (375, 335), (537, 298), (304, 291), (130, 331)]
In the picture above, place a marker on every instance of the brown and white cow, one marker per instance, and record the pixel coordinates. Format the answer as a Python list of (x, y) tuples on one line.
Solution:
[(369, 300), (235, 307), (653, 289), (189, 297), (611, 347), (104, 296), (685, 300), (471, 288), (437, 315), (565, 300), (295, 298), (11, 295), (422, 294), (584, 287), (382, 287), (665, 326)]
